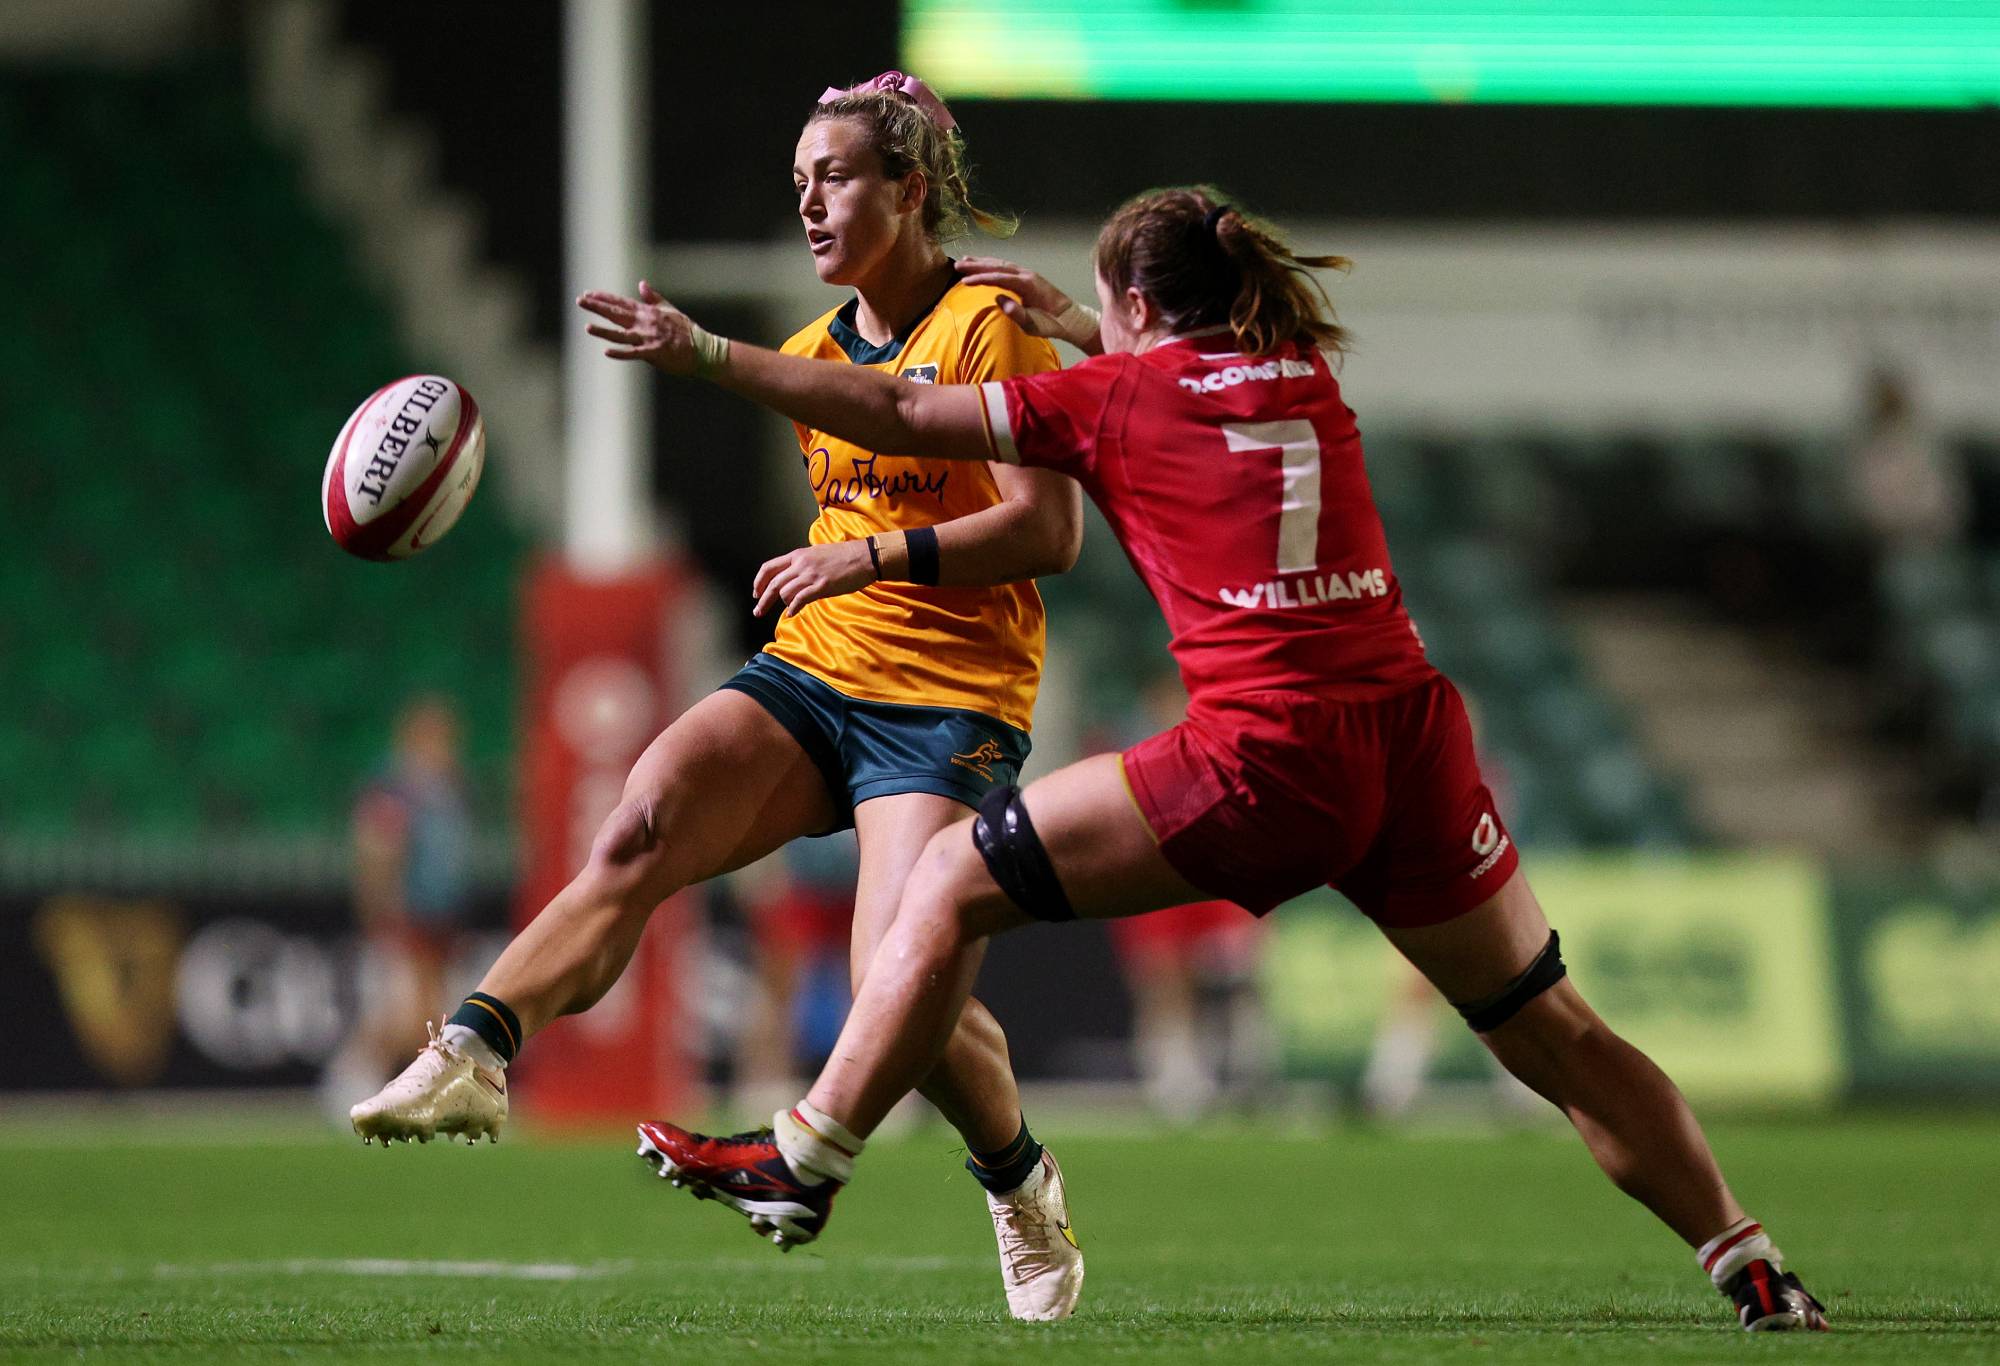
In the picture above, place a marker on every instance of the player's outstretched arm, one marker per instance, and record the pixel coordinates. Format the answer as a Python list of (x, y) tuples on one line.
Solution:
[(875, 411), (1037, 307)]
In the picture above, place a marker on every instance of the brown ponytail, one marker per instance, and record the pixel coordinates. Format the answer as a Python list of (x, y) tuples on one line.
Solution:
[(907, 139), (1205, 263)]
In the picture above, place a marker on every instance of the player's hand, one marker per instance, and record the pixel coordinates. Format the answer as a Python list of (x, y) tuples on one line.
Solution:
[(1037, 307), (811, 573), (647, 328)]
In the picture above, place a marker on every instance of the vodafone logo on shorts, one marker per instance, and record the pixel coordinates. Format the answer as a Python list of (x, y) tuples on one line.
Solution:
[(1486, 836), (1488, 843)]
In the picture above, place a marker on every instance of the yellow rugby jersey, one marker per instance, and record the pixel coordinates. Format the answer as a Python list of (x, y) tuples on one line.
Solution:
[(979, 649)]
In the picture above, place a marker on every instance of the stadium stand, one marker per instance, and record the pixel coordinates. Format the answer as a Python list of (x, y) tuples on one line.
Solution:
[(1490, 531), (1560, 751), (218, 350), (1759, 530), (189, 650), (1941, 652), (1473, 524)]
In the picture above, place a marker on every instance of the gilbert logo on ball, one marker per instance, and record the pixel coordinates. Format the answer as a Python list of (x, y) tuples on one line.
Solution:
[(403, 468)]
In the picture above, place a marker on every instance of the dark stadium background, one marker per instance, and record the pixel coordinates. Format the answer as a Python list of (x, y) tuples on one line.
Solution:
[(156, 769), (1684, 421)]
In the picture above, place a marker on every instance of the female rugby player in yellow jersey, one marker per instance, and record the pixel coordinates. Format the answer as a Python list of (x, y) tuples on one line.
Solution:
[(897, 693)]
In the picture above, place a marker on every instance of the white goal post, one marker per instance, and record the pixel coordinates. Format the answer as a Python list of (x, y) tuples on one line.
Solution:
[(607, 526)]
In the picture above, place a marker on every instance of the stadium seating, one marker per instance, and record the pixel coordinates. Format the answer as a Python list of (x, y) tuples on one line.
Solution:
[(1941, 648), (1763, 527), (182, 648), (1559, 751), (1488, 529)]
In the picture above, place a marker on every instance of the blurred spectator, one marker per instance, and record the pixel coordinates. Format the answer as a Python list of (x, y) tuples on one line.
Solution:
[(1399, 1060), (1200, 1033), (1909, 489), (801, 911), (1406, 1044), (412, 834), (1406, 1037)]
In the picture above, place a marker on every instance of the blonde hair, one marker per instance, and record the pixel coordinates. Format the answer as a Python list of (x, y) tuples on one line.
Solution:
[(1204, 262), (907, 139)]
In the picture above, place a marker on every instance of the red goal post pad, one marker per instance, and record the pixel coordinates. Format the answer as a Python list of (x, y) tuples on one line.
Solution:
[(599, 682)]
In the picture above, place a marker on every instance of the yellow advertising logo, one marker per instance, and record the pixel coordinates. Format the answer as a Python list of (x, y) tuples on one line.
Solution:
[(1719, 967), (1691, 959), (113, 964), (1935, 982)]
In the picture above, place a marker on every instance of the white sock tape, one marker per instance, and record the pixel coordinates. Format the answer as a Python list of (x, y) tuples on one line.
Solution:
[(1729, 1251), (816, 1144)]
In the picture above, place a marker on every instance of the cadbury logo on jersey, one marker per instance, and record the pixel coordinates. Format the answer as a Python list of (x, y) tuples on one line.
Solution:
[(1232, 375), (862, 483), (1310, 591)]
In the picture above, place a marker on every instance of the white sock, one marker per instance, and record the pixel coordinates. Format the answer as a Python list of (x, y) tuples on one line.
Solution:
[(1729, 1251), (469, 1043), (815, 1143)]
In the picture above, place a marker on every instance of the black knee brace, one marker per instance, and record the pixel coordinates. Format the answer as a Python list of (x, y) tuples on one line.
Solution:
[(1006, 839), (1547, 969)]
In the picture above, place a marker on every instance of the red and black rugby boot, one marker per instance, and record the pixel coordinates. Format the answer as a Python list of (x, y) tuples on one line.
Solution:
[(747, 1173), (1769, 1300)]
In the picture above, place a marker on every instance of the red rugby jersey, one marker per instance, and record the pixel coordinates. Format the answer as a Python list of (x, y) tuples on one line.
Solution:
[(1236, 486)]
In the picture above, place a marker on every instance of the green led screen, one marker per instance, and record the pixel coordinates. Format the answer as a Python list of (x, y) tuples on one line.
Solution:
[(1883, 53)]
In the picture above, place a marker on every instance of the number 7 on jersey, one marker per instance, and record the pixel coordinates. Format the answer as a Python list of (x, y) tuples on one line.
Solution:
[(1297, 445)]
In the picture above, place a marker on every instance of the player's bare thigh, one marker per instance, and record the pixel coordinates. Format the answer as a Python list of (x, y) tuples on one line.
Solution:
[(1102, 850), (1472, 956), (892, 832), (720, 788)]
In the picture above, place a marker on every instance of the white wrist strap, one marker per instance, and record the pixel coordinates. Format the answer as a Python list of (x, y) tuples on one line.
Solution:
[(1076, 324), (711, 352)]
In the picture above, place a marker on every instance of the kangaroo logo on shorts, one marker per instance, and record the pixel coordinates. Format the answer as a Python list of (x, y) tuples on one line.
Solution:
[(977, 760), (1486, 835)]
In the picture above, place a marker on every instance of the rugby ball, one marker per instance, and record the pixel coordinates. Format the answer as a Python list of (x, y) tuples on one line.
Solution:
[(403, 468)]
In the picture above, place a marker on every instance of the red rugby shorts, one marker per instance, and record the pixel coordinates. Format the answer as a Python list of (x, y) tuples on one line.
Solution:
[(1261, 797)]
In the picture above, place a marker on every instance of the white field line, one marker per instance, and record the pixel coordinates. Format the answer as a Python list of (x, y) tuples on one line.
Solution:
[(397, 1266), (541, 1271)]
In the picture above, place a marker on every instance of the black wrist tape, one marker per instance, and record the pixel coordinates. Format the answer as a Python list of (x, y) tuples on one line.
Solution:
[(875, 558), (922, 545)]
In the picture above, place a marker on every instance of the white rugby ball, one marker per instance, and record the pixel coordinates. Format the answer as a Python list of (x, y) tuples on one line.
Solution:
[(403, 468)]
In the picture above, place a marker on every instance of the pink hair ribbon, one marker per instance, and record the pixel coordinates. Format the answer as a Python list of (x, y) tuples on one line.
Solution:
[(895, 82)]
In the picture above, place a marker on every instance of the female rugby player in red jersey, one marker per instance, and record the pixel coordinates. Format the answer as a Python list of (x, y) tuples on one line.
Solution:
[(1320, 745), (897, 693)]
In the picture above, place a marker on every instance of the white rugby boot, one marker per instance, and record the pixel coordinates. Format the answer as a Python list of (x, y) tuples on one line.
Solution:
[(443, 1092), (1040, 1262)]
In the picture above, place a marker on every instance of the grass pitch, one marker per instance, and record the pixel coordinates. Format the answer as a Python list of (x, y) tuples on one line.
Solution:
[(121, 1243)]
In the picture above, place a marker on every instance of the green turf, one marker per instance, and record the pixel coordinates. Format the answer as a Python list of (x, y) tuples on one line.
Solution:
[(1218, 1247)]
